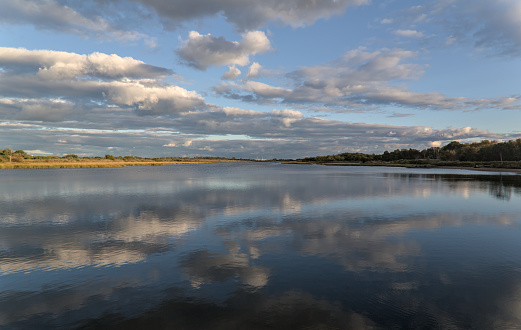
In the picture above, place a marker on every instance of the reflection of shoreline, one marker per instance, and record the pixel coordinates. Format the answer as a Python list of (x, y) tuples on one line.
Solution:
[(483, 169), (411, 166)]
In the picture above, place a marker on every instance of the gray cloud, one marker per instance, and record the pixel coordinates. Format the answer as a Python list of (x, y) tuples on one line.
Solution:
[(493, 27), (116, 20), (60, 103), (400, 115), (65, 16), (202, 51), (251, 14), (359, 79), (229, 131)]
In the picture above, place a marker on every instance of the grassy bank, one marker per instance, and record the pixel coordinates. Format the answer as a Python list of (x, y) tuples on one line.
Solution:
[(99, 163)]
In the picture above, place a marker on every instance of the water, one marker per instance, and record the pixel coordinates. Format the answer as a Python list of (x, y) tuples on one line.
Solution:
[(259, 246)]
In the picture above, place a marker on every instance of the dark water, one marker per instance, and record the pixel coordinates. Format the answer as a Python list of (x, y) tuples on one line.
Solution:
[(259, 246)]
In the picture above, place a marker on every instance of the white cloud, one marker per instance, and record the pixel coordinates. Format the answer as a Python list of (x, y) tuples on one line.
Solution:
[(287, 113), (43, 77), (38, 153), (288, 117), (450, 41), (55, 65), (265, 90), (254, 70), (202, 51), (232, 73), (152, 99), (230, 111), (409, 33), (360, 80)]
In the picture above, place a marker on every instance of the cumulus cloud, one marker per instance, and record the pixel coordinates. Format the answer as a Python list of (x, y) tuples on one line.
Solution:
[(43, 76), (232, 73), (254, 70), (52, 65), (85, 99), (360, 79), (230, 111), (202, 51), (287, 117), (152, 99)]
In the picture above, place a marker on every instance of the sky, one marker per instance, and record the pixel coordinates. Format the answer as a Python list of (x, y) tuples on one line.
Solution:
[(249, 78)]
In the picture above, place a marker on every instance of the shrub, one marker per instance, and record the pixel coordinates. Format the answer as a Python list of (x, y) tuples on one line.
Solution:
[(16, 158), (21, 153)]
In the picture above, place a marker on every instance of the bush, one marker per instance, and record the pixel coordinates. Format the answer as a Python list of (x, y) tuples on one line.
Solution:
[(17, 158), (21, 153)]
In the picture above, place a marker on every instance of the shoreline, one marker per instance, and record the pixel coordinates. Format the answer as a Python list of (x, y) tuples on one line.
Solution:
[(483, 169), (114, 164), (103, 164), (480, 169)]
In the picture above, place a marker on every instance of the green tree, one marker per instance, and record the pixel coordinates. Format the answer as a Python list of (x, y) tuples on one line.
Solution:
[(21, 153), (6, 152)]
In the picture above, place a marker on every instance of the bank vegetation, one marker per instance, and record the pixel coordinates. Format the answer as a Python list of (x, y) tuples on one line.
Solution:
[(21, 159), (484, 154)]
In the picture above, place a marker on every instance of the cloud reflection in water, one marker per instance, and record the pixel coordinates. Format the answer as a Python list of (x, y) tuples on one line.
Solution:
[(271, 245)]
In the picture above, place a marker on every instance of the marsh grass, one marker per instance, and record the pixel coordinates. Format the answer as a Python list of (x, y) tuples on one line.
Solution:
[(87, 163)]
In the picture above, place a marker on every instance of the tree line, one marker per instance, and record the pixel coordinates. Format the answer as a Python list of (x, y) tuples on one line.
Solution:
[(484, 151)]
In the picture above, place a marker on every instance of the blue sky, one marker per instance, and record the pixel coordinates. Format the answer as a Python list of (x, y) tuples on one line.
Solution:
[(245, 78)]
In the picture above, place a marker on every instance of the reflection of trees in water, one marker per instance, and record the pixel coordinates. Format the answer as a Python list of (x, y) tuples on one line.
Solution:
[(242, 310), (498, 186), (500, 190), (324, 224)]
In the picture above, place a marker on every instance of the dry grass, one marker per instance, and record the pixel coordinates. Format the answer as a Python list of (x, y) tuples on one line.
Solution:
[(99, 163)]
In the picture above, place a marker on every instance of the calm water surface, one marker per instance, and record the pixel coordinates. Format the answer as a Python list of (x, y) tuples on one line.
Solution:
[(259, 246)]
